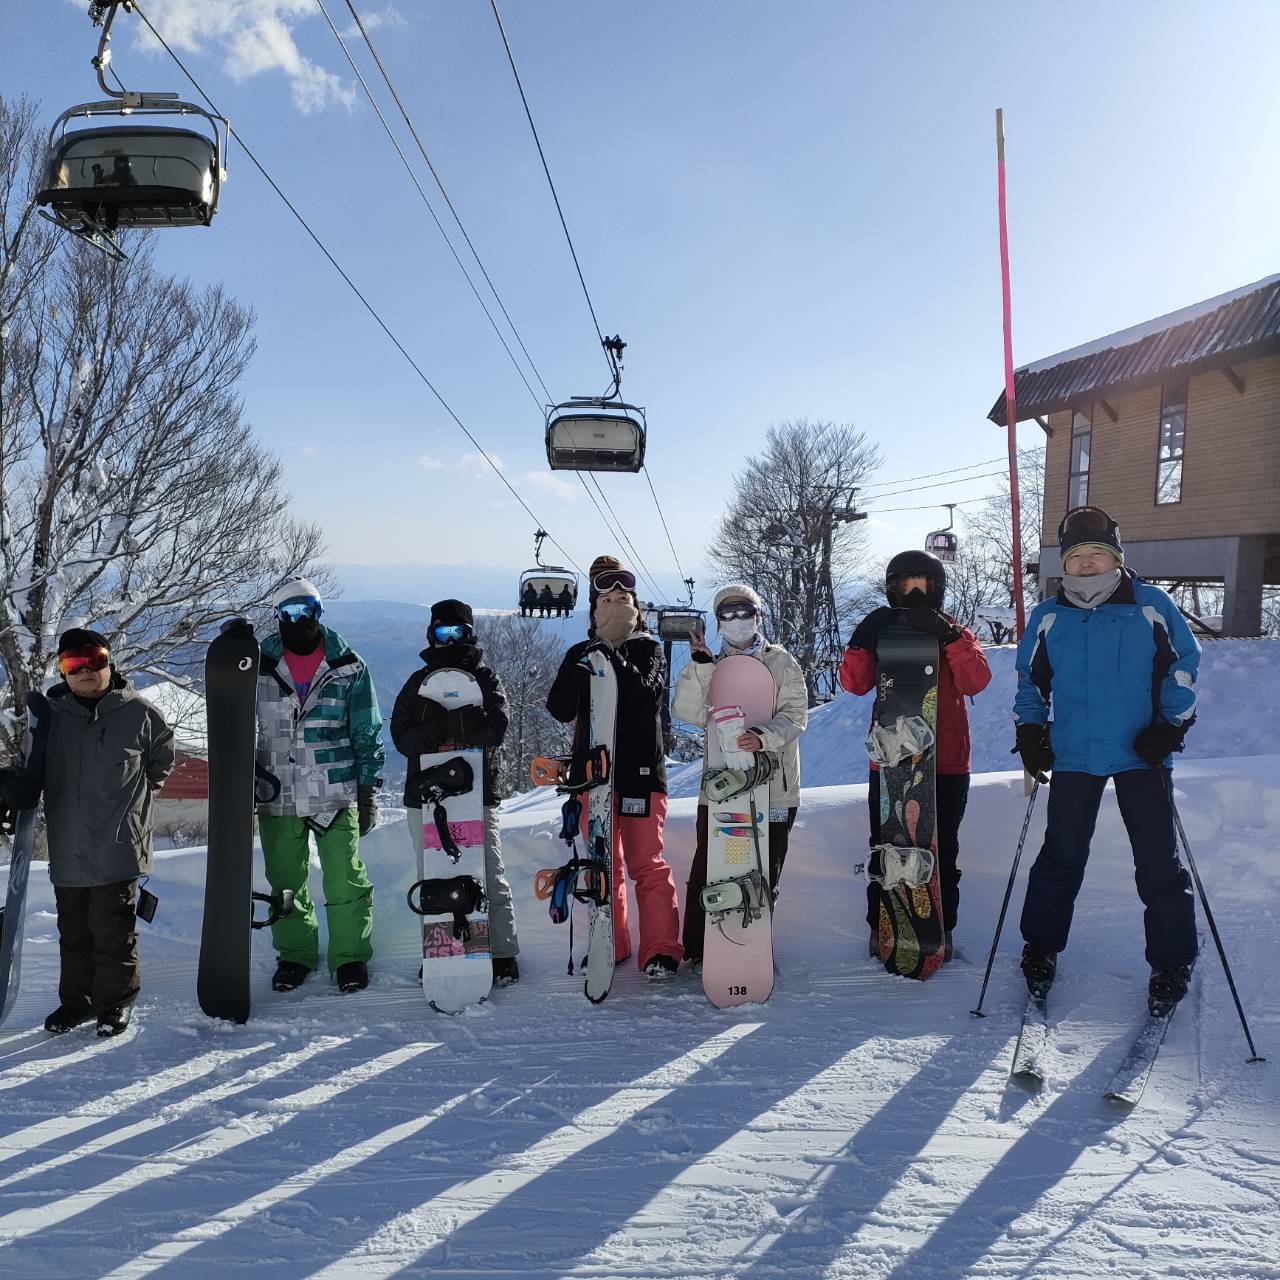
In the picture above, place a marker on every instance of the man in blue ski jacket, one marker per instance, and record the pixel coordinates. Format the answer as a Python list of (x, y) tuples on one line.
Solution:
[(1115, 661)]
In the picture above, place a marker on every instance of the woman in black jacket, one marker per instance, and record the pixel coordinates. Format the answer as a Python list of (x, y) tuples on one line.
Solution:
[(420, 726), (638, 766)]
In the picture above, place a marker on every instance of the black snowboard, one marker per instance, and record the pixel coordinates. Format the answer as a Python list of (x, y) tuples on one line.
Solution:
[(13, 911), (230, 686), (911, 931)]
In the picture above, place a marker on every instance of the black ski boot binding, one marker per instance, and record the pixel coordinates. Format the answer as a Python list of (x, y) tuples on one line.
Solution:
[(1039, 968), (1166, 988)]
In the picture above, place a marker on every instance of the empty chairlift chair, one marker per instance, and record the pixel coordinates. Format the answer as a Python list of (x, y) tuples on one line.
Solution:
[(595, 434)]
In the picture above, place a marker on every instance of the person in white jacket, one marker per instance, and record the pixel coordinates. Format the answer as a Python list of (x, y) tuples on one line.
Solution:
[(738, 617)]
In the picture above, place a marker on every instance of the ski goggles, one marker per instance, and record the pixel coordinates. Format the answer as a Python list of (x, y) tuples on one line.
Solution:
[(296, 610), (86, 658), (452, 632), (742, 610), (611, 579), (1087, 524)]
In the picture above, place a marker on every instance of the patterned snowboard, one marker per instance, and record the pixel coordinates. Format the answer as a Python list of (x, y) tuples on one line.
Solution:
[(456, 972), (737, 957), (910, 927), (598, 822)]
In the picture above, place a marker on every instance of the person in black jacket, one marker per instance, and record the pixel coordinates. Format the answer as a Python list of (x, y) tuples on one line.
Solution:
[(420, 726), (638, 766)]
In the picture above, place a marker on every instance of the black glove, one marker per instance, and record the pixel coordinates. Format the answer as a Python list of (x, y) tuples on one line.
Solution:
[(1033, 746), (366, 809), (865, 633), (1159, 740), (17, 790), (473, 722), (929, 621)]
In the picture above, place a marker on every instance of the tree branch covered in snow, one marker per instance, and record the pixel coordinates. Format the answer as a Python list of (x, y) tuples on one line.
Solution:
[(133, 496)]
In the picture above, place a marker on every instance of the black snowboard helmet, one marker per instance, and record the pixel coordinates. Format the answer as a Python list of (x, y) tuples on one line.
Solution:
[(916, 564)]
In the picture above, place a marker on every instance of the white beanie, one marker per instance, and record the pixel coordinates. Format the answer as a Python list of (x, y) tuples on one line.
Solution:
[(737, 591), (299, 588)]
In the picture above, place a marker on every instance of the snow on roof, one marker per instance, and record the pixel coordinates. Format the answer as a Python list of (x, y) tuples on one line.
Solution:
[(1135, 333)]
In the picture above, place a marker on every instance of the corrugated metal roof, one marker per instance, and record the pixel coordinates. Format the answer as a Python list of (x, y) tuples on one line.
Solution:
[(1243, 328)]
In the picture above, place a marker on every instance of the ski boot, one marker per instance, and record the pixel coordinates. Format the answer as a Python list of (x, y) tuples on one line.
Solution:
[(660, 968), (64, 1018), (112, 1022), (289, 976), (1039, 968), (505, 971), (352, 976), (1166, 988)]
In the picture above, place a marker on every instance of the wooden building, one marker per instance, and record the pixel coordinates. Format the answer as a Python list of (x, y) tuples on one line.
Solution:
[(1173, 427)]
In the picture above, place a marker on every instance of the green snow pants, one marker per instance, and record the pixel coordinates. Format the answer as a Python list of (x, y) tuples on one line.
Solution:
[(348, 895)]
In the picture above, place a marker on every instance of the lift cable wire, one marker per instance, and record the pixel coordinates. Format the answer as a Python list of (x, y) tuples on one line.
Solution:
[(439, 183), (413, 177), (586, 293), (554, 194), (619, 533), (882, 484), (351, 284)]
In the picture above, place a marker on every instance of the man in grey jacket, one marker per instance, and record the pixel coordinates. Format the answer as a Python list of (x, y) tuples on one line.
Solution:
[(108, 752)]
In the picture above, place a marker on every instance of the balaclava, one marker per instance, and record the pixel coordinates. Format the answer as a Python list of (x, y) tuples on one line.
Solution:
[(305, 634)]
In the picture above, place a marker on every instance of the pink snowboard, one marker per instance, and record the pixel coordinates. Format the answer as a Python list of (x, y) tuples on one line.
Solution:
[(737, 958)]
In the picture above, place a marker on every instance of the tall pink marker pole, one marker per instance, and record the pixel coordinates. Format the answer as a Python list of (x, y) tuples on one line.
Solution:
[(1011, 414)]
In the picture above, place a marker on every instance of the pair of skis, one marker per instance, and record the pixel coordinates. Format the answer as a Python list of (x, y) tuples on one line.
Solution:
[(1130, 1078)]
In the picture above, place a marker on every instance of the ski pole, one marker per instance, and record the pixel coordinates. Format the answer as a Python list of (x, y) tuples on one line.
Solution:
[(1208, 914), (1008, 893)]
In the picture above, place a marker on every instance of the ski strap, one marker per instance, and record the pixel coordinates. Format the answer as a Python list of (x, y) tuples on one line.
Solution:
[(456, 896)]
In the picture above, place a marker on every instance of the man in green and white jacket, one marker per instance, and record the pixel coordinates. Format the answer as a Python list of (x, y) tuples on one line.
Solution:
[(320, 761)]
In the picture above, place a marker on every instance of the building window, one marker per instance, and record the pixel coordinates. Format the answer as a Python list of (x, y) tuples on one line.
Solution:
[(1078, 482), (1173, 430)]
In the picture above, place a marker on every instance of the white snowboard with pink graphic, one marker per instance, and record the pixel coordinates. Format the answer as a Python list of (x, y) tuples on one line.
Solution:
[(737, 958), (456, 971)]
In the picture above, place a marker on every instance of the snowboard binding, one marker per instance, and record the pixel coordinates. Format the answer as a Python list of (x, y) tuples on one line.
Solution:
[(890, 864), (579, 879), (746, 896), (725, 784), (571, 774), (454, 897), (8, 821), (434, 786), (279, 905), (890, 744)]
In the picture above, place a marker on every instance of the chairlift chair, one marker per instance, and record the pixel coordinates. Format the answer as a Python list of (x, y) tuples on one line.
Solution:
[(552, 577), (131, 175), (945, 543), (679, 625), (595, 434)]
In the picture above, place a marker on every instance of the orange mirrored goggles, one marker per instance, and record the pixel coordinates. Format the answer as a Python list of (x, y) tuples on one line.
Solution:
[(90, 658)]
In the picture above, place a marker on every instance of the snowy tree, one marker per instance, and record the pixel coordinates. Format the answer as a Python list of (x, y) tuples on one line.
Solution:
[(526, 658), (133, 497), (789, 532)]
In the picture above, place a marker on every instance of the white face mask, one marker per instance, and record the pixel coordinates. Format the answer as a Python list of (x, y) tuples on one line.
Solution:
[(739, 631)]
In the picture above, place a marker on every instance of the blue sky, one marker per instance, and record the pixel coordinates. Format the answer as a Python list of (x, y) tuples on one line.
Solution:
[(787, 210)]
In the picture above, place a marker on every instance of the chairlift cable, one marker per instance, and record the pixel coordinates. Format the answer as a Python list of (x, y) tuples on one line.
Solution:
[(663, 518), (881, 484), (937, 484), (351, 284), (641, 567), (439, 183), (932, 506), (413, 177), (493, 4)]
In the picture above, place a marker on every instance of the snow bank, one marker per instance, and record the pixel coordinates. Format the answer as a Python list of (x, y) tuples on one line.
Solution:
[(1238, 715)]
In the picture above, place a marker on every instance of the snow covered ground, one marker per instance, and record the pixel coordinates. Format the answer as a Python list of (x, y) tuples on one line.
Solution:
[(855, 1126)]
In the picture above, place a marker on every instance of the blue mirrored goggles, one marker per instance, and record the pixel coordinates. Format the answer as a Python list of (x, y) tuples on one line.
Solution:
[(451, 632), (296, 610)]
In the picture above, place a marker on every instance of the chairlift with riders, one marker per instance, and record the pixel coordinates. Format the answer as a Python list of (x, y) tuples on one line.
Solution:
[(597, 433), (131, 175), (945, 543), (546, 590)]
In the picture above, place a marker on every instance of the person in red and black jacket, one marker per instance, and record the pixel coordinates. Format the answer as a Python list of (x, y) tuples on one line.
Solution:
[(915, 584), (639, 764)]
